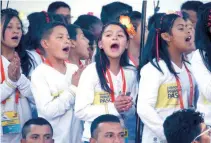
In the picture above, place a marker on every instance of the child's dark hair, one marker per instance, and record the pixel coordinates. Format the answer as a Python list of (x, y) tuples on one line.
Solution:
[(47, 31), (72, 30), (90, 37), (112, 11), (153, 18), (87, 21), (56, 5), (185, 16), (162, 25), (183, 126), (26, 61), (31, 39), (102, 61), (203, 37), (191, 5), (135, 18)]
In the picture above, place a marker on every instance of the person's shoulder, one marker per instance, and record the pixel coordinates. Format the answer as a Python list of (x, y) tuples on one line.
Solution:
[(72, 66), (196, 56), (40, 70), (151, 67), (91, 67)]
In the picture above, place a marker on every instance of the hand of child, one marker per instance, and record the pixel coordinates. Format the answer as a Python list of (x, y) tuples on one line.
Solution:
[(76, 76), (18, 66), (123, 103)]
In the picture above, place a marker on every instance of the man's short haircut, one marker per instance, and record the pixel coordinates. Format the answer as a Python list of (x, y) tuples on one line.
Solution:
[(37, 121), (102, 119), (191, 5), (56, 5), (183, 126), (112, 11)]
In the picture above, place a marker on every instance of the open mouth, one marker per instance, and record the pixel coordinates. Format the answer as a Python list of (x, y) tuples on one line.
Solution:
[(66, 49), (188, 39), (114, 47), (15, 38)]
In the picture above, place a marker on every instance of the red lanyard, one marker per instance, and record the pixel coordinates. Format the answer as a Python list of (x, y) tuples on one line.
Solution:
[(17, 93), (47, 62), (39, 52), (133, 60), (109, 80), (179, 89)]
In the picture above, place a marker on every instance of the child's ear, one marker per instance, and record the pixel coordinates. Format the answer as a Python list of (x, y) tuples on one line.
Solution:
[(100, 45), (73, 43), (166, 37), (131, 36), (44, 43)]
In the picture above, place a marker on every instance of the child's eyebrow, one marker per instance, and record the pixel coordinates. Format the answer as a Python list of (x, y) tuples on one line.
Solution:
[(180, 25)]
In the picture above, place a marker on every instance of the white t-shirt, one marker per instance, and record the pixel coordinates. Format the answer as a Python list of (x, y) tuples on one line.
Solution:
[(158, 98), (203, 78), (7, 91), (92, 101), (55, 100)]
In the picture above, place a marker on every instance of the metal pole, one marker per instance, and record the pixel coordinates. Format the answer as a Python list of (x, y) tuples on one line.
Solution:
[(1, 4), (143, 25)]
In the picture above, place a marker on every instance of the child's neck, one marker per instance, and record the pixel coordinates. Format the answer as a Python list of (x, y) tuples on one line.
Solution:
[(74, 59), (7, 52), (134, 51), (176, 57), (57, 64), (114, 65)]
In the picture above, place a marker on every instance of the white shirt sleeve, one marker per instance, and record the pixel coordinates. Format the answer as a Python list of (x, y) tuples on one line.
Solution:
[(23, 85), (84, 107), (6, 90), (49, 106), (202, 75), (148, 92)]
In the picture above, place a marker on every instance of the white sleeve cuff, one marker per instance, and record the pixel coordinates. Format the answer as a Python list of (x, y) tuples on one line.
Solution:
[(11, 83), (112, 109)]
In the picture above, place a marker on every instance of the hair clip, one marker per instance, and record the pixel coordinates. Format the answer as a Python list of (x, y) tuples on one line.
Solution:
[(46, 17), (125, 20)]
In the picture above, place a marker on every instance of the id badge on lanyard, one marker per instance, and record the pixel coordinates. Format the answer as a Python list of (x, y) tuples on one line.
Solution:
[(10, 121), (126, 135)]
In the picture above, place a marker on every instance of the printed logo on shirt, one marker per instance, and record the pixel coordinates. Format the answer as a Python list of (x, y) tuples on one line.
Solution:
[(167, 96), (172, 92), (102, 98)]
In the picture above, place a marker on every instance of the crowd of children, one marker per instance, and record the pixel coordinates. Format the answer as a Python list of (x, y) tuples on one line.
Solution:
[(70, 74)]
